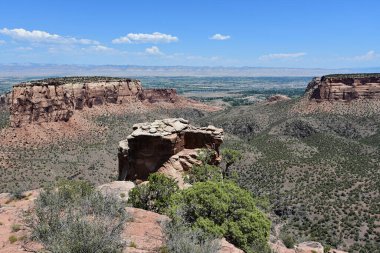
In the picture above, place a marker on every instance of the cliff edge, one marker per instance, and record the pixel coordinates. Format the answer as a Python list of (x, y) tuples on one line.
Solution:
[(56, 99), (344, 87)]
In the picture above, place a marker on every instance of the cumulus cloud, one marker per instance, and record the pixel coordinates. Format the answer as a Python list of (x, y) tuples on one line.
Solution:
[(139, 38), (219, 36), (43, 37), (153, 51), (281, 56)]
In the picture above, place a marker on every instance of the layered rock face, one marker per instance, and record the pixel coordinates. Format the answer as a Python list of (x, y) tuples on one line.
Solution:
[(56, 99), (160, 95), (344, 87), (170, 146)]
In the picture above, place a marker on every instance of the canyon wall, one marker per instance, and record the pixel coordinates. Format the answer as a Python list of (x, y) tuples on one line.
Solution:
[(160, 95), (56, 99), (169, 146), (344, 87)]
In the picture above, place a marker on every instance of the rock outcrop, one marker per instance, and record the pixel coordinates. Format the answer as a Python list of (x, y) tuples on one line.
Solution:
[(277, 97), (304, 247), (169, 146), (56, 99), (117, 189), (160, 95), (344, 87), (309, 247)]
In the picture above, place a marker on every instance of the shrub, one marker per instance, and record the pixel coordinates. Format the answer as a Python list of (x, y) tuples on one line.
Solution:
[(155, 195), (12, 239), (205, 155), (15, 227), (289, 241), (222, 209), (132, 245), (203, 173), (17, 194), (327, 249), (230, 156), (181, 239), (73, 217)]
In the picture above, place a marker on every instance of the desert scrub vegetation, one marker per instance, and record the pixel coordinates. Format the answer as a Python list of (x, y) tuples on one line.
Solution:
[(203, 173), (182, 239), (71, 217), (4, 118), (319, 170), (212, 208), (155, 195), (222, 209)]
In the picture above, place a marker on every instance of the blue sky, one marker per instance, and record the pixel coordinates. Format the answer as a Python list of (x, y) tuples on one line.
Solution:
[(298, 33)]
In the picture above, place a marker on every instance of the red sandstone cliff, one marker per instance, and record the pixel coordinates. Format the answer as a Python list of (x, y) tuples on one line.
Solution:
[(56, 99), (344, 87)]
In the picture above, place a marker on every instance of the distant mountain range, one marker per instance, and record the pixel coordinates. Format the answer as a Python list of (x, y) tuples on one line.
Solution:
[(42, 70)]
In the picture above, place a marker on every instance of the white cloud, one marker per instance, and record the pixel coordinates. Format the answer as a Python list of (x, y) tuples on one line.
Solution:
[(138, 38), (2, 42), (219, 36), (202, 58), (370, 55), (100, 48), (44, 37), (153, 51), (269, 57), (24, 48)]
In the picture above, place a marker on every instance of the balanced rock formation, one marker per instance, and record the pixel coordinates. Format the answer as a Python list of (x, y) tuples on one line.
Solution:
[(345, 87), (56, 99), (170, 146)]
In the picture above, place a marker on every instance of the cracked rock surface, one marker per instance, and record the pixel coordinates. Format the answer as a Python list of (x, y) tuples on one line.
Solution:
[(169, 146)]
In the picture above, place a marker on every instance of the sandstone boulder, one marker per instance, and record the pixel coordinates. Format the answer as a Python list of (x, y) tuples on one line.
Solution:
[(309, 247), (170, 146), (118, 189), (337, 251), (226, 247), (144, 233)]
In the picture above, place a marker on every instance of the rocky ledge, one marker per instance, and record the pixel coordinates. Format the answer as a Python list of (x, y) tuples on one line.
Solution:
[(170, 146), (344, 87), (56, 99)]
